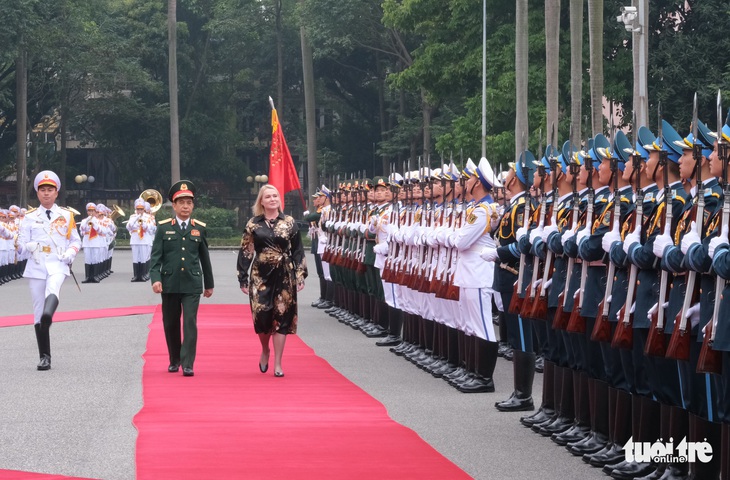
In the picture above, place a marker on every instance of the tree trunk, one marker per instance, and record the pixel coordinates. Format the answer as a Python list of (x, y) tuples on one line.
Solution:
[(552, 56), (62, 129), (172, 80), (521, 123), (595, 34), (576, 69), (308, 73), (21, 124)]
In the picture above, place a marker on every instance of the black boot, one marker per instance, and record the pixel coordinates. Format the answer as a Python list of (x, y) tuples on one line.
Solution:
[(395, 323), (486, 359), (49, 308), (598, 394), (548, 406), (524, 374), (564, 405), (619, 409), (725, 451), (89, 269), (135, 272), (452, 353), (146, 271), (702, 430), (645, 428)]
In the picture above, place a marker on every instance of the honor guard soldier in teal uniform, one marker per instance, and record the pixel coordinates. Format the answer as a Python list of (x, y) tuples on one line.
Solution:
[(180, 271), (719, 327)]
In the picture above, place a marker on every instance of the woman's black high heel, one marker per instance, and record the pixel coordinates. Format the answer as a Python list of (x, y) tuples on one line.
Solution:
[(265, 367)]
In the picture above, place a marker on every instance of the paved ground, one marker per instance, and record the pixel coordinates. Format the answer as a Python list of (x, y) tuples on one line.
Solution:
[(76, 418)]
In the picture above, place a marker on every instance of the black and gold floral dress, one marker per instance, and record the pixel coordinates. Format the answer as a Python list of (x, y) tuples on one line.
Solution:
[(273, 250)]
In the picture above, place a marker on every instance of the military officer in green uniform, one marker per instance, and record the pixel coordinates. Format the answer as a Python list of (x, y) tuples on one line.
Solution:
[(180, 267)]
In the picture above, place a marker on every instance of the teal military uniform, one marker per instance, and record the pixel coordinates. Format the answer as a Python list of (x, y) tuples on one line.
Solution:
[(180, 261)]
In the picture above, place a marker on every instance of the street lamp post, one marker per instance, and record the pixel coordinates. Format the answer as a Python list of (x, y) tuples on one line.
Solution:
[(87, 181), (255, 182), (635, 20)]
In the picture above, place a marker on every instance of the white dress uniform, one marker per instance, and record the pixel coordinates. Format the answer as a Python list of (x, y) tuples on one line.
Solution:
[(322, 238)]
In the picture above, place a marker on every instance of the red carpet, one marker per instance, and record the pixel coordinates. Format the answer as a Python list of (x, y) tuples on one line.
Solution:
[(16, 320), (232, 422)]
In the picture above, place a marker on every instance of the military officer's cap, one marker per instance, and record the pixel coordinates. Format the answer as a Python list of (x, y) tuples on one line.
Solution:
[(642, 134), (545, 160), (412, 176), (450, 172), (725, 130), (147, 207), (325, 191), (565, 154), (486, 175), (669, 137), (623, 149), (90, 206), (704, 138), (100, 207), (181, 189), (381, 181), (47, 177), (524, 168), (599, 141), (139, 203), (14, 209), (316, 194), (396, 179), (470, 168), (367, 184), (436, 174)]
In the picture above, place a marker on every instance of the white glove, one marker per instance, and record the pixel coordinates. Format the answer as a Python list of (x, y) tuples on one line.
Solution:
[(652, 311), (430, 239), (661, 243), (548, 283), (68, 256), (450, 240), (693, 314), (381, 248), (567, 236), (361, 228), (521, 232), (609, 298), (305, 213), (633, 307), (312, 232), (690, 238), (630, 240), (609, 239), (536, 284), (718, 241), (488, 254), (581, 235), (535, 233), (547, 231), (31, 246)]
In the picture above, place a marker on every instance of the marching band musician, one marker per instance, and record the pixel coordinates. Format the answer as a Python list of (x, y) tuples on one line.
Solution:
[(149, 238), (49, 234), (141, 228), (7, 247)]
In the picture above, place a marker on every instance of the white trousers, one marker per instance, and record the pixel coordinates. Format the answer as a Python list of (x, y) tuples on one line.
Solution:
[(141, 253), (476, 312), (40, 289)]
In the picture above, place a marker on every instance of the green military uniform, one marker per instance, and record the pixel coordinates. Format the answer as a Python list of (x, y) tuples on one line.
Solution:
[(180, 261)]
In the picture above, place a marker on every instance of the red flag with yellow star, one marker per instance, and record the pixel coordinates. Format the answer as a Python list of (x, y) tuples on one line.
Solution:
[(282, 173)]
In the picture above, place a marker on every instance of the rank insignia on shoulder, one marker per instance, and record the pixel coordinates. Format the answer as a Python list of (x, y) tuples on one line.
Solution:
[(674, 194), (649, 197), (471, 219), (195, 232), (162, 222), (606, 220), (520, 218)]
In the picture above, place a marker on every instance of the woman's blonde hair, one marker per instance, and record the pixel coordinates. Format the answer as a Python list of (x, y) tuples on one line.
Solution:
[(257, 208)]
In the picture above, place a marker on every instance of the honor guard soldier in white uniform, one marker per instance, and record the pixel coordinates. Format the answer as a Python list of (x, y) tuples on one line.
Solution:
[(474, 277), (7, 249), (85, 229), (140, 229), (49, 234)]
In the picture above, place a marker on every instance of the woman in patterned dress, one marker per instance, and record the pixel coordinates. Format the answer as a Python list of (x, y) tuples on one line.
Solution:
[(272, 247)]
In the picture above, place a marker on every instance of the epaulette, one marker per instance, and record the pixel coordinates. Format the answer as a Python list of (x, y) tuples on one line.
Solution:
[(521, 201), (197, 222), (710, 193), (680, 198), (31, 210), (625, 199), (162, 222)]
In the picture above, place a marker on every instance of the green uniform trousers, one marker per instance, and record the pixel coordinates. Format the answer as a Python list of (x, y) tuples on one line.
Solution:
[(175, 305)]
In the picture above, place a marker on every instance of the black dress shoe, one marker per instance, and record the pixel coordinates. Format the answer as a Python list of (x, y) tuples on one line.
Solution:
[(559, 425), (389, 341), (324, 305), (595, 443), (540, 364), (188, 372), (45, 363), (447, 369), (516, 403), (317, 302), (574, 434), (542, 415), (609, 456), (478, 385), (173, 368), (629, 471)]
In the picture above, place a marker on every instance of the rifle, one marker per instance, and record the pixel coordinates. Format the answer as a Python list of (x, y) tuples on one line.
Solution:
[(433, 284), (515, 304), (655, 344), (602, 327), (539, 307), (576, 323), (394, 214), (681, 336), (560, 321), (710, 360), (452, 291), (623, 336), (331, 239)]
